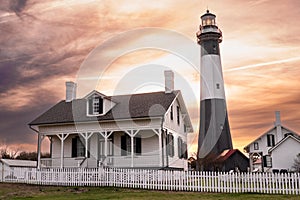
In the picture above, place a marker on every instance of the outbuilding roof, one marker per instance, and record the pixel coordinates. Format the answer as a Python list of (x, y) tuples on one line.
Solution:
[(227, 154), (19, 163)]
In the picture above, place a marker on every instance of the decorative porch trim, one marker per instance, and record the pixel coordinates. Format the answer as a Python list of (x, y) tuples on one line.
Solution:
[(62, 138)]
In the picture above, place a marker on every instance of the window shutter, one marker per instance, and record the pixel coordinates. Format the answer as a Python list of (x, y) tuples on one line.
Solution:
[(270, 140), (170, 145), (179, 141), (100, 110), (74, 147), (90, 105), (88, 148), (123, 146), (178, 115), (138, 145), (171, 113), (185, 153)]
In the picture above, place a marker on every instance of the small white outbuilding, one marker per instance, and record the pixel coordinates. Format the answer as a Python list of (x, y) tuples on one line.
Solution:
[(275, 150)]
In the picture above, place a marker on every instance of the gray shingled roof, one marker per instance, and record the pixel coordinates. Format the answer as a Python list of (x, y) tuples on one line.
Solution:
[(127, 106)]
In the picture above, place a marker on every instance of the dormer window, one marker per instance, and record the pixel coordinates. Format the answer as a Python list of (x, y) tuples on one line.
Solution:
[(95, 105)]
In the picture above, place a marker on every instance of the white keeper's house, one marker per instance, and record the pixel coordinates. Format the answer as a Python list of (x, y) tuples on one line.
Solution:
[(147, 130), (275, 150)]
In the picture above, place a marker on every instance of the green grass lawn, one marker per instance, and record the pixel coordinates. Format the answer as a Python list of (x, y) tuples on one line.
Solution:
[(22, 191)]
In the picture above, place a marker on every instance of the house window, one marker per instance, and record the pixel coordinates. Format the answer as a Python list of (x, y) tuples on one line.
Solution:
[(270, 140), (180, 153), (171, 113), (170, 145), (178, 115), (256, 147), (182, 149), (78, 148), (126, 145), (95, 105), (267, 161), (218, 86)]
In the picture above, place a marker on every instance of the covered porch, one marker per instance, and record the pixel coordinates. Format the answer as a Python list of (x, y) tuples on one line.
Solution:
[(128, 148)]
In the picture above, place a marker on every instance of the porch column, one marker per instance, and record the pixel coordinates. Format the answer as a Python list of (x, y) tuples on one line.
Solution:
[(160, 148), (158, 132), (105, 147), (62, 152), (132, 134), (40, 139), (86, 137), (132, 149), (106, 134), (62, 138)]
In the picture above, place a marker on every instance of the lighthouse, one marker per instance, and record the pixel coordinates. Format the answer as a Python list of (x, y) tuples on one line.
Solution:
[(214, 134)]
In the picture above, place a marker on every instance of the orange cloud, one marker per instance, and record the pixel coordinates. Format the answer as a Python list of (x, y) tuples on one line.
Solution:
[(44, 44)]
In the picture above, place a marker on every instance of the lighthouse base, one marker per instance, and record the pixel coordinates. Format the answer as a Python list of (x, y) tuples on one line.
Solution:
[(214, 136)]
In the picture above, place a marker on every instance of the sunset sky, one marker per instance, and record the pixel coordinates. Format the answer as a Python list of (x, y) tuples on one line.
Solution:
[(45, 43)]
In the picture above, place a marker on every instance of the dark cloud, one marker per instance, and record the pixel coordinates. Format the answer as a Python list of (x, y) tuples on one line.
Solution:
[(13, 124), (17, 5), (8, 76)]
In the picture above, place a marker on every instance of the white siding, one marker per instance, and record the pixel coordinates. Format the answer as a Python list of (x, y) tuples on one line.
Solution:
[(177, 130), (172, 124), (149, 156), (283, 156)]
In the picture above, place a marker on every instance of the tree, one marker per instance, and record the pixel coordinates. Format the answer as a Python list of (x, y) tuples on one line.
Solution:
[(296, 165), (31, 156), (27, 156), (8, 153)]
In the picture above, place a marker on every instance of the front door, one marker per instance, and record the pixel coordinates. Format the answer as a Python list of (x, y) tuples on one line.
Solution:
[(102, 159)]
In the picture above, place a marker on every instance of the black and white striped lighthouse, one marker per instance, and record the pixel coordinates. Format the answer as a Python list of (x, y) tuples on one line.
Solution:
[(214, 134)]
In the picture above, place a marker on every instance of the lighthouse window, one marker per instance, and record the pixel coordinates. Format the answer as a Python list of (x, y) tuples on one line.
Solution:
[(214, 47), (218, 86)]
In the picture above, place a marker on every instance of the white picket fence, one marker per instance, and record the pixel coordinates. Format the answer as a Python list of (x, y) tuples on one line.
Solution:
[(268, 183)]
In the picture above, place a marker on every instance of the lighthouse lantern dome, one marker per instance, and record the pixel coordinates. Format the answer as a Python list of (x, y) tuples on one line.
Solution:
[(208, 19)]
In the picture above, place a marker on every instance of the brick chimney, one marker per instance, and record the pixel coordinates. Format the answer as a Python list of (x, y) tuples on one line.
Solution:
[(71, 88), (169, 81)]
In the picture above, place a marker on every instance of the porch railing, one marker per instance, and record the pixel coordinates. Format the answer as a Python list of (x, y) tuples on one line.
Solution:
[(145, 160), (56, 162)]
